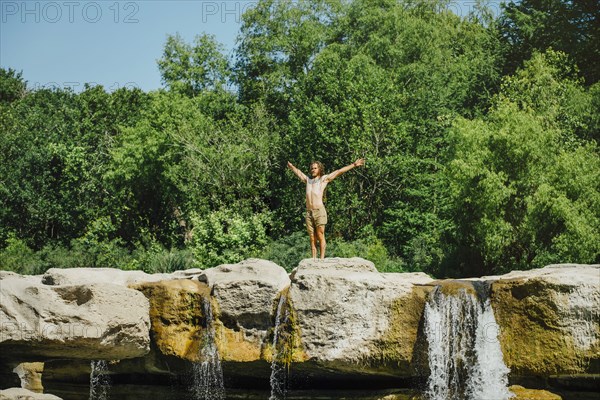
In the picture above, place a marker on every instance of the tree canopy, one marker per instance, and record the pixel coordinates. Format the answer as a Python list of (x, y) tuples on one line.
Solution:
[(480, 133)]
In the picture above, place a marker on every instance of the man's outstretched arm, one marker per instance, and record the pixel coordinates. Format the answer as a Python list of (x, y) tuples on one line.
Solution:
[(296, 171), (358, 163)]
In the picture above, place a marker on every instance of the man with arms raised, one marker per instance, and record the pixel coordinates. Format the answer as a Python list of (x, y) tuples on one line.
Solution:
[(316, 215)]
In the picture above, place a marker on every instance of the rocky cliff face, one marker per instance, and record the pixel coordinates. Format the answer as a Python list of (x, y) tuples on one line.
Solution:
[(246, 295), (549, 320), (177, 315), (347, 322), (354, 320), (100, 320)]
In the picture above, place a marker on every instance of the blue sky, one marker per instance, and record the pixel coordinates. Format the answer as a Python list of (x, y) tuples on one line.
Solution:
[(112, 43)]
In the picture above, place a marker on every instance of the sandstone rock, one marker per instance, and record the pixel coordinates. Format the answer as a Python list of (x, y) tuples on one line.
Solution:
[(522, 393), (548, 319), (177, 315), (24, 394), (30, 375), (89, 276), (348, 322), (355, 264), (192, 273), (246, 294), (352, 318), (14, 275), (99, 321)]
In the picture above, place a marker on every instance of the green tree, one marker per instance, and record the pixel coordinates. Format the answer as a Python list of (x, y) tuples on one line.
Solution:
[(526, 190), (12, 85), (55, 148), (388, 90), (36, 148), (178, 160), (278, 42), (190, 69), (563, 25)]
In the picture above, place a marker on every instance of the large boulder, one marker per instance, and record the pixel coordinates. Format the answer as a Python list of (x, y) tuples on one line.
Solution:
[(549, 320), (246, 294), (355, 320), (178, 315), (30, 375), (14, 275), (522, 393), (24, 394), (97, 321), (90, 276)]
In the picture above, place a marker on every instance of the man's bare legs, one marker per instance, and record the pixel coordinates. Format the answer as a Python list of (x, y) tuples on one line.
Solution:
[(318, 236), (321, 239), (313, 244)]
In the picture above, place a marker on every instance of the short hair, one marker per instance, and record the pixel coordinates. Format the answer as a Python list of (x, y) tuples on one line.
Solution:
[(320, 165)]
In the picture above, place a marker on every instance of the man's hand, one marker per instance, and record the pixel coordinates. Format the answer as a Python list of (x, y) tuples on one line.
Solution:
[(359, 163)]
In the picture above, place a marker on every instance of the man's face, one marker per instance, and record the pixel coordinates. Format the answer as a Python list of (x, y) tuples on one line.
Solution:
[(314, 170)]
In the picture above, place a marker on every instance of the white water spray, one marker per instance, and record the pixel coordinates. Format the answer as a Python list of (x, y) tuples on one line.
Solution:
[(465, 357), (279, 370), (207, 373), (99, 380)]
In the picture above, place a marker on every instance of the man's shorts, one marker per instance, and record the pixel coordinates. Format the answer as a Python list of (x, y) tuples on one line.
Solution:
[(315, 218)]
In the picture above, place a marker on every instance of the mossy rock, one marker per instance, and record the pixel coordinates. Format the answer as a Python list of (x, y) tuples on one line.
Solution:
[(535, 332), (522, 393), (177, 316)]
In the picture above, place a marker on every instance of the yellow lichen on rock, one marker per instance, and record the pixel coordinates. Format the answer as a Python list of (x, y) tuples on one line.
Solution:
[(533, 336), (237, 345), (290, 349), (396, 349), (522, 393), (30, 374), (177, 315), (451, 287)]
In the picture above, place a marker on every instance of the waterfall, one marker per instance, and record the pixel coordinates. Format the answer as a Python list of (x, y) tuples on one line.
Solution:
[(99, 380), (465, 358), (207, 373), (278, 369)]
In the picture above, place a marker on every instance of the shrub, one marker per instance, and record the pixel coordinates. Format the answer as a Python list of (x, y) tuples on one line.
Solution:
[(370, 248), (288, 250), (157, 259), (225, 236), (19, 258)]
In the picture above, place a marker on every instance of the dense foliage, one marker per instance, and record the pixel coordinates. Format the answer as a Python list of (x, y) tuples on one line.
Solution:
[(480, 133)]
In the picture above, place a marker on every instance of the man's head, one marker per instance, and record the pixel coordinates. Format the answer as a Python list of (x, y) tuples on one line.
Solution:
[(316, 169)]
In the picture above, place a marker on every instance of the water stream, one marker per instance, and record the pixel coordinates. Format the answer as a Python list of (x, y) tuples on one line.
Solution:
[(207, 375), (279, 372), (99, 380), (465, 358)]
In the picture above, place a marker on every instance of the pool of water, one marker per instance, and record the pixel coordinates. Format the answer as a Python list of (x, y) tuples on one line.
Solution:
[(69, 391), (146, 392)]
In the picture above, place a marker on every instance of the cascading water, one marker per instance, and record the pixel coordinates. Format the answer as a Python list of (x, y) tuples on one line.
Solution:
[(207, 373), (278, 369), (465, 358), (99, 380)]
